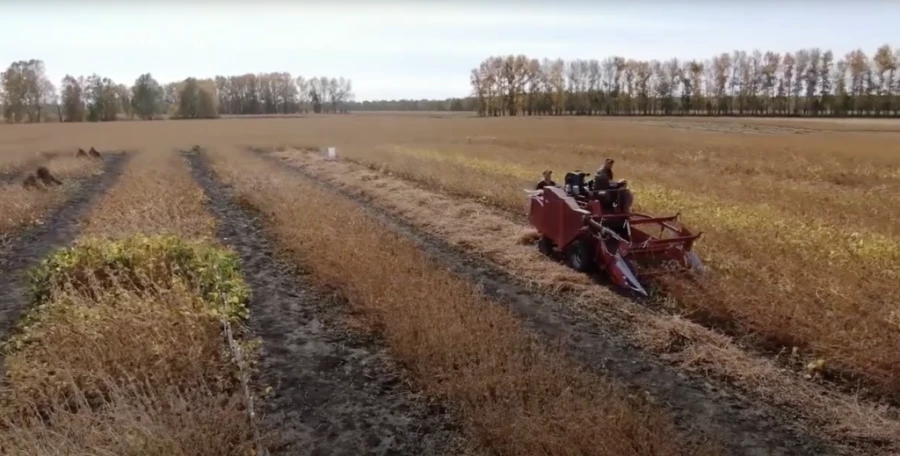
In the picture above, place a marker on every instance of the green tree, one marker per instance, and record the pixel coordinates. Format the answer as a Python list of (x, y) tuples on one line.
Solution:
[(73, 99), (102, 98), (189, 99), (147, 97), (197, 99)]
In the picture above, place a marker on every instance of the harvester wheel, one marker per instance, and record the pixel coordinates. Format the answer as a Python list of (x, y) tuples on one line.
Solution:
[(579, 256), (545, 245)]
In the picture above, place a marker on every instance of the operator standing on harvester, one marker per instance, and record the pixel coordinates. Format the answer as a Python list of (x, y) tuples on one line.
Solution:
[(609, 190)]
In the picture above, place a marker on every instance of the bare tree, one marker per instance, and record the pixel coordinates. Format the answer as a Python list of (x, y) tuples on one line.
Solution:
[(303, 95), (825, 81), (886, 66)]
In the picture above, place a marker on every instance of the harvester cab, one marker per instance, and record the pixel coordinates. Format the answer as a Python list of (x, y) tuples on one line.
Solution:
[(594, 230)]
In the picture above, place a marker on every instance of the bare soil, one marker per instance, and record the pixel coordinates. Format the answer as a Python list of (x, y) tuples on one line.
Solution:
[(22, 251), (703, 408), (335, 392)]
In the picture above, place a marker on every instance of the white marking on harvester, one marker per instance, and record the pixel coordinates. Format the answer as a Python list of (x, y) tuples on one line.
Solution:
[(534, 195)]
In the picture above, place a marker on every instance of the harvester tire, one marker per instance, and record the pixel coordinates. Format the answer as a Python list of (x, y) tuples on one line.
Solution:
[(579, 256), (545, 245)]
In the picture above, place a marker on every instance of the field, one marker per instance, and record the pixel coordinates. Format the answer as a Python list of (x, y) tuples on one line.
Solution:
[(220, 288)]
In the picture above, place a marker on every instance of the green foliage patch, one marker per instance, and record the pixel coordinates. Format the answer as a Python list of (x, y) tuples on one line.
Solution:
[(142, 264)]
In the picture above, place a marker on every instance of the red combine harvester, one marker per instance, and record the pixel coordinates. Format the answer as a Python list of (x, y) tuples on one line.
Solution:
[(594, 229)]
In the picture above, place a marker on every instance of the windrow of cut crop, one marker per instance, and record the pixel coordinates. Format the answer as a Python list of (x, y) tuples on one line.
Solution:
[(122, 349), (515, 396), (494, 235), (810, 286)]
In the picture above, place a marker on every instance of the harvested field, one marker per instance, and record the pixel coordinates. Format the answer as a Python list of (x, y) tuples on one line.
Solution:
[(335, 392), (392, 302), (684, 343), (798, 230), (516, 397)]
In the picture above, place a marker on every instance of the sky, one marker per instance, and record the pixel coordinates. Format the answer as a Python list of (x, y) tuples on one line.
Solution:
[(404, 49)]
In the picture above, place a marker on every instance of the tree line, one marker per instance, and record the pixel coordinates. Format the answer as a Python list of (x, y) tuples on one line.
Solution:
[(28, 95), (808, 82), (449, 104)]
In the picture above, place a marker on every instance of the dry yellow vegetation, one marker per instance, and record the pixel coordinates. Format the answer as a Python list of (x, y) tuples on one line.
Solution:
[(798, 227), (20, 207), (121, 350), (493, 234), (159, 196), (515, 396), (799, 230)]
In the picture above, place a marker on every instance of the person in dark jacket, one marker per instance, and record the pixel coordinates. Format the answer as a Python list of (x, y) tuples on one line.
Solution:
[(603, 182), (547, 180), (603, 178)]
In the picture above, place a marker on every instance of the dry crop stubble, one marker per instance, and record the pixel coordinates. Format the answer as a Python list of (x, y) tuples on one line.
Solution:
[(108, 369), (105, 366), (14, 160), (20, 207), (492, 234), (799, 259), (758, 181), (514, 396), (794, 223)]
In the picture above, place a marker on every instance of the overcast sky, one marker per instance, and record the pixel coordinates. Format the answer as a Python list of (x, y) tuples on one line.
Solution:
[(413, 50)]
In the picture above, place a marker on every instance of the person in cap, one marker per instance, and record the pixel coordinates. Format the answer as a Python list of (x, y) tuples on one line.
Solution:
[(547, 181)]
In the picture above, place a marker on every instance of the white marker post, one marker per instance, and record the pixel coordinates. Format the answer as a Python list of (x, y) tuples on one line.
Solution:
[(331, 153)]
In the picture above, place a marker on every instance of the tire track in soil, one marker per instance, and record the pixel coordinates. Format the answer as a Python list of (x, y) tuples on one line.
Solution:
[(336, 392), (26, 249), (702, 408)]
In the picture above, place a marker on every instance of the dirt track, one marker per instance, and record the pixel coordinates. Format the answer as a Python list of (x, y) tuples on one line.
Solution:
[(27, 249), (701, 408), (334, 392)]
